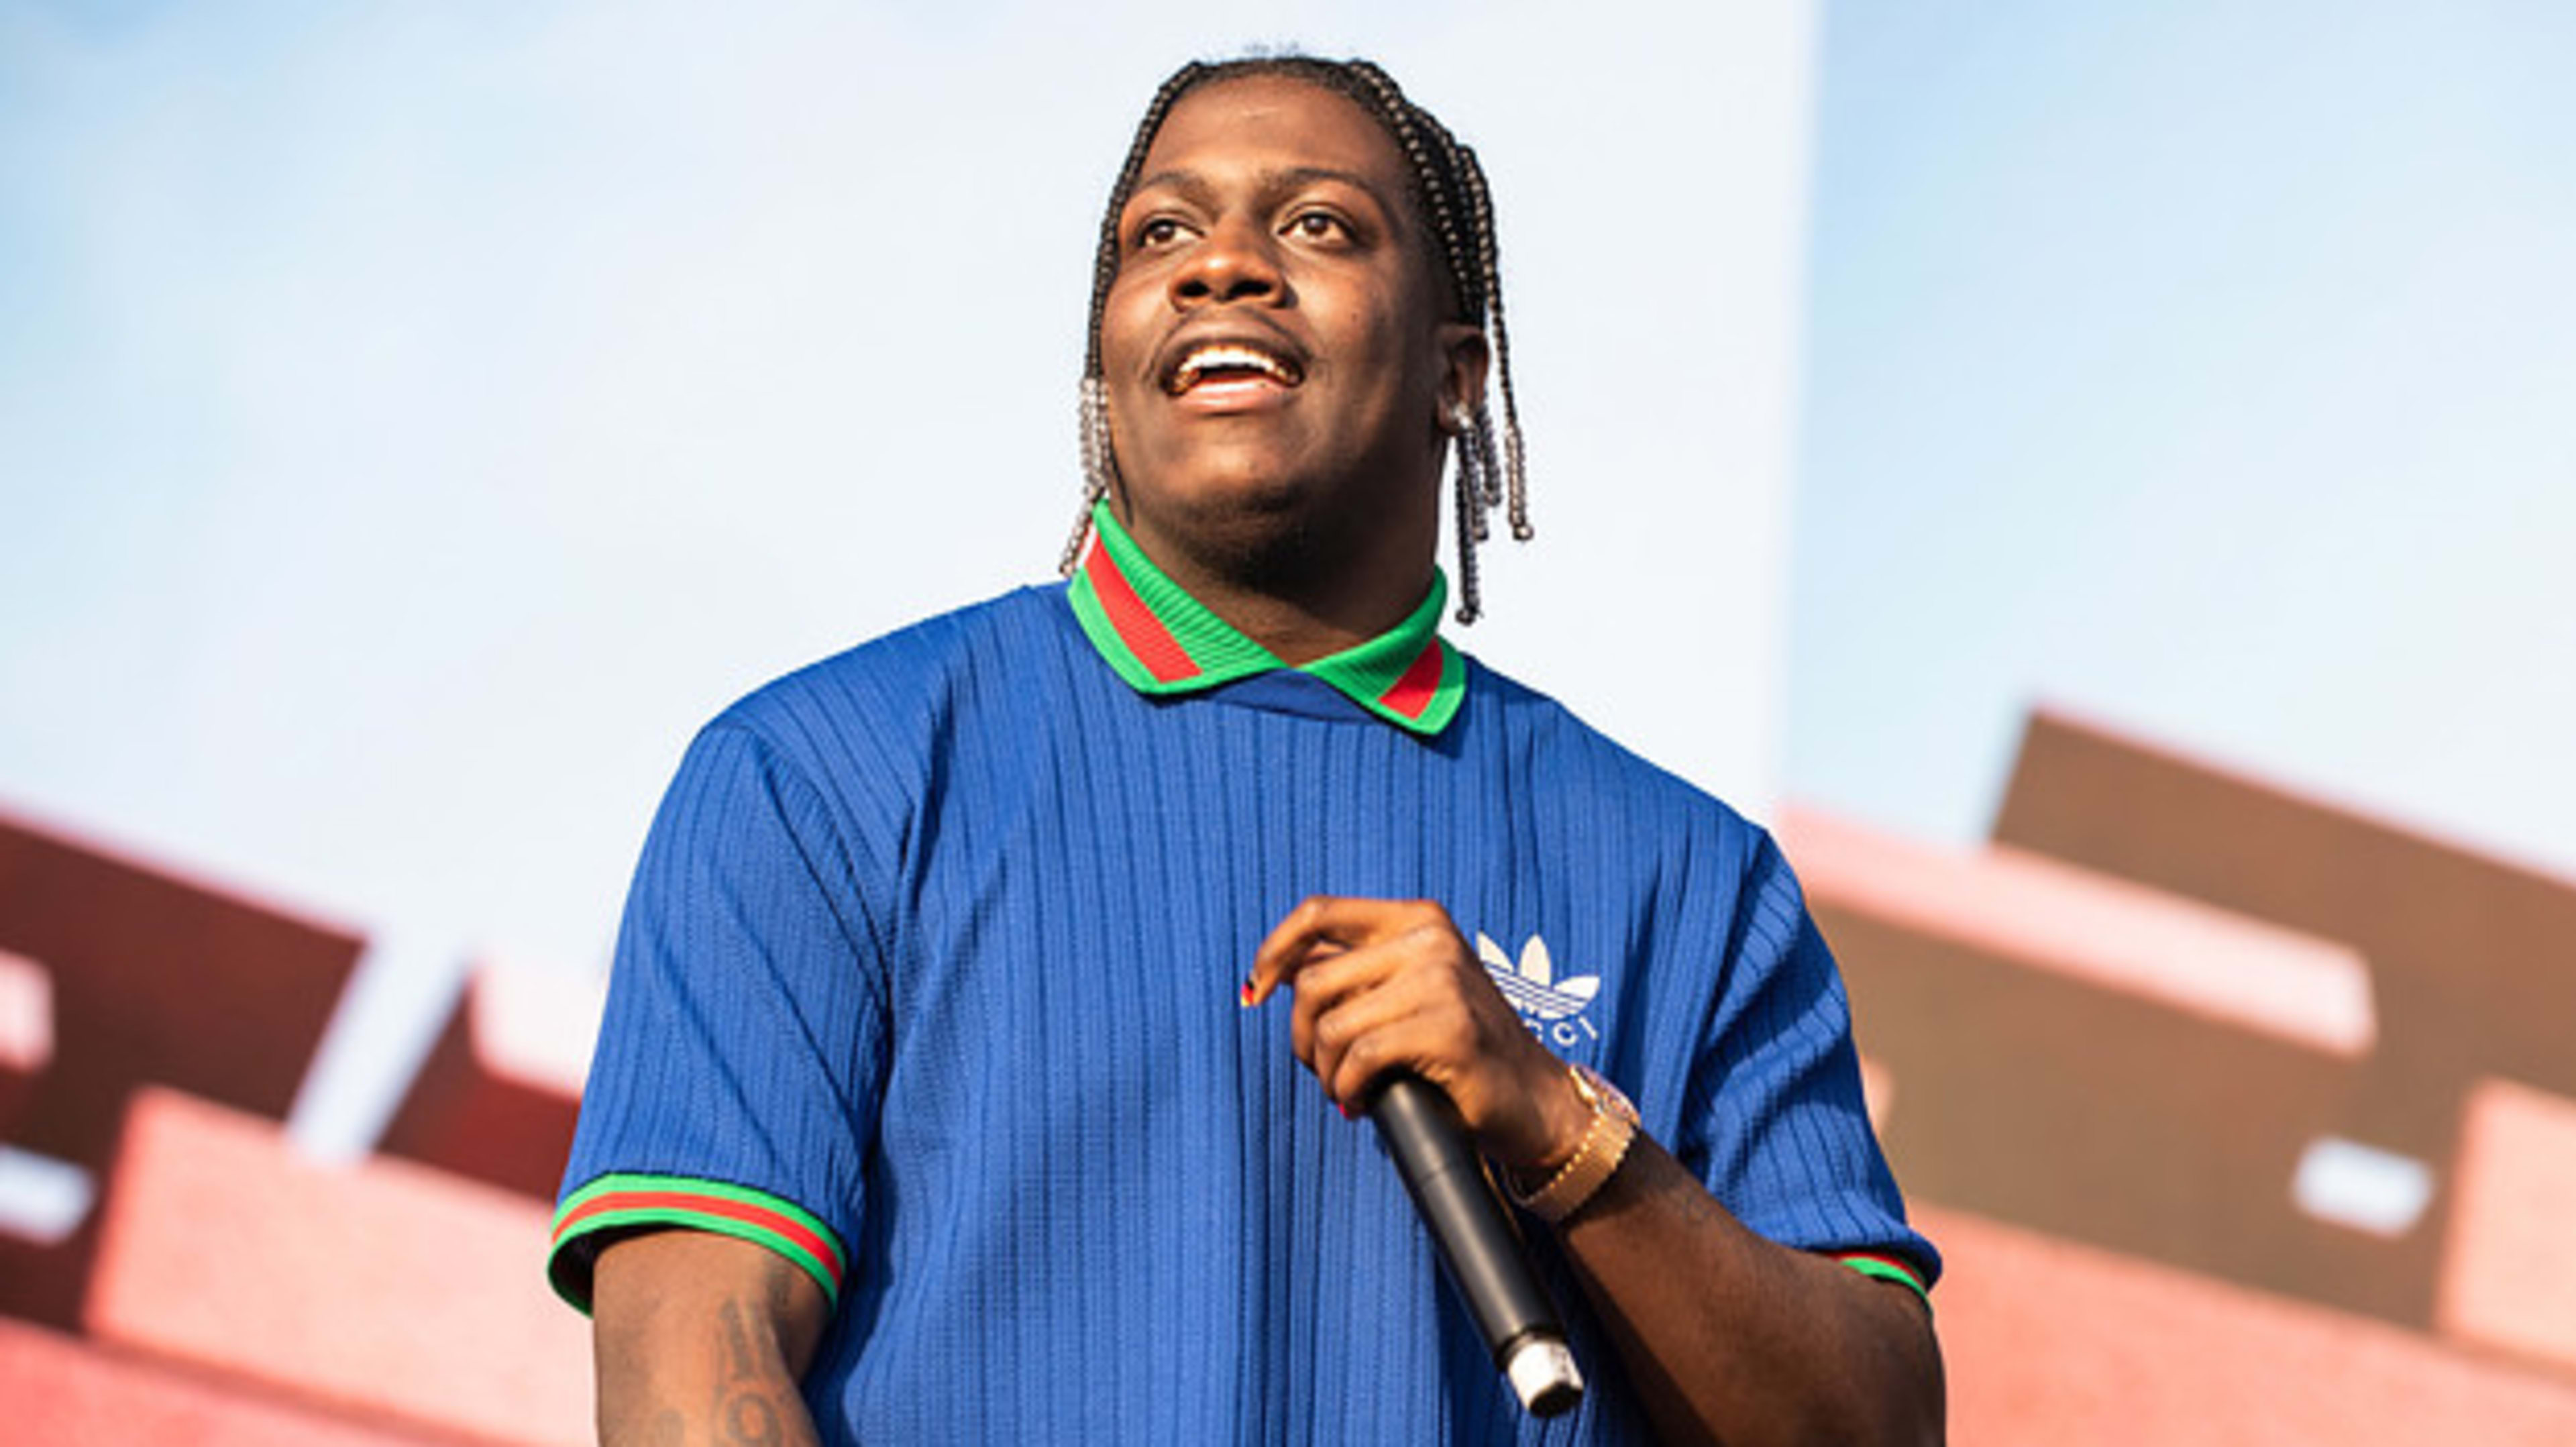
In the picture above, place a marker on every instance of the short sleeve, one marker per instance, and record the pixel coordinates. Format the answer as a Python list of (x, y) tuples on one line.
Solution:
[(1775, 1123), (740, 1060)]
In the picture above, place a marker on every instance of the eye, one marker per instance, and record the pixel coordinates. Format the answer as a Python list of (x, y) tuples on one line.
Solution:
[(1158, 231), (1319, 226)]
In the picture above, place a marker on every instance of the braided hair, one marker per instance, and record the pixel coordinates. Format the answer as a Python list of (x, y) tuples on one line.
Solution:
[(1449, 192)]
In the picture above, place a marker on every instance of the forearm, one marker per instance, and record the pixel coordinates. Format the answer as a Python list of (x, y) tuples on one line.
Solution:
[(1729, 1337), (688, 1355)]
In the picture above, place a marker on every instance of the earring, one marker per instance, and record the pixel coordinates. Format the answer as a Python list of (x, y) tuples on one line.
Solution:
[(1457, 418)]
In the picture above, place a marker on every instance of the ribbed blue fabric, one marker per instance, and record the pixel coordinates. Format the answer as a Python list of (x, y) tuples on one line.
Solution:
[(939, 940)]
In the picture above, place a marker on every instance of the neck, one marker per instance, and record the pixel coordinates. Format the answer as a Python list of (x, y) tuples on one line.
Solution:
[(1301, 630), (1298, 594)]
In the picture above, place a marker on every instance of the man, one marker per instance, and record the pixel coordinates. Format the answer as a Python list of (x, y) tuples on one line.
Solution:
[(993, 997)]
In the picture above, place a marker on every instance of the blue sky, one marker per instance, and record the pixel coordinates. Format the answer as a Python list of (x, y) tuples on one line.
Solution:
[(414, 422), (417, 421), (2205, 368)]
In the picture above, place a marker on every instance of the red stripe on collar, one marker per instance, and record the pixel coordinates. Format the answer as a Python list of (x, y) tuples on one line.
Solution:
[(1143, 633), (1412, 692)]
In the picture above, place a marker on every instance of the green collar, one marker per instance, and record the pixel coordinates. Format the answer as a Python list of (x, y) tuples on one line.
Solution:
[(1163, 641)]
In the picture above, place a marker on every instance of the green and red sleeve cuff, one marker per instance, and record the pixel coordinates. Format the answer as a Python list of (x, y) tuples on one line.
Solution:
[(620, 1203), (615, 1204), (1887, 1268)]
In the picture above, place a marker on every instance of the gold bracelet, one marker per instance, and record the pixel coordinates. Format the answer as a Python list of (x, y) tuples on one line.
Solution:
[(1596, 1158)]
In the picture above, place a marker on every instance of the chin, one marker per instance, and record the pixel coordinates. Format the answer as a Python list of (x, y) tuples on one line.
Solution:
[(1257, 530), (1227, 499)]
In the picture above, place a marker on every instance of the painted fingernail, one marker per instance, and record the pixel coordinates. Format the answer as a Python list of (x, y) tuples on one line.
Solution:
[(1347, 1112), (1245, 994)]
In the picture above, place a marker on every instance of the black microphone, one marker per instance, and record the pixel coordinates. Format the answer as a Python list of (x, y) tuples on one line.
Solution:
[(1423, 1135)]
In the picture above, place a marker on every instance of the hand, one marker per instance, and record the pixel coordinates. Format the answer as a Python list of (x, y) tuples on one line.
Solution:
[(1385, 985)]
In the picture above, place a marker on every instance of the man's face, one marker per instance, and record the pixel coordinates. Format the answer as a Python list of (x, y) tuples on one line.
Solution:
[(1275, 341)]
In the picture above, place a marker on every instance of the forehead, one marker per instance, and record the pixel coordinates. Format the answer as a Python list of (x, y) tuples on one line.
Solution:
[(1266, 123)]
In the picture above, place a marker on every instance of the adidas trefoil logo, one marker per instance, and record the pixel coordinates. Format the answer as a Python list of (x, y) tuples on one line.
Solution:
[(1550, 1007)]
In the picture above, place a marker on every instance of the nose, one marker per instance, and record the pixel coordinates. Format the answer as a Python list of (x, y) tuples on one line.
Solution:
[(1233, 262)]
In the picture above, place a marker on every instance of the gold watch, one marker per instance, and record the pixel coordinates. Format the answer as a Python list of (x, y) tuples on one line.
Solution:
[(1604, 1145)]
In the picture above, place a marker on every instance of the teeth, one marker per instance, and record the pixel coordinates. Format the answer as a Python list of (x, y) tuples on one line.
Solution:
[(1227, 357)]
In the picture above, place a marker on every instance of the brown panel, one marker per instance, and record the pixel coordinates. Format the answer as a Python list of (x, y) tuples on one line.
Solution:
[(2111, 1118), (2107, 1062), (498, 1096), (157, 978), (2475, 957), (43, 1282), (154, 978)]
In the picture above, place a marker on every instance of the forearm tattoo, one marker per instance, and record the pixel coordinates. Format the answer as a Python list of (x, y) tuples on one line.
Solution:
[(748, 1412)]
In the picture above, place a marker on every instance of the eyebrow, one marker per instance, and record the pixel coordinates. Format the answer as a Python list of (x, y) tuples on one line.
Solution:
[(1195, 188)]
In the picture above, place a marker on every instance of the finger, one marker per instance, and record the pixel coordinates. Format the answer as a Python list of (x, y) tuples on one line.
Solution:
[(1409, 1043), (1419, 941), (1329, 1024), (1331, 977), (1319, 920)]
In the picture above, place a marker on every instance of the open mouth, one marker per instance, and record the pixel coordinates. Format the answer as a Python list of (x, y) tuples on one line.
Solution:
[(1229, 362)]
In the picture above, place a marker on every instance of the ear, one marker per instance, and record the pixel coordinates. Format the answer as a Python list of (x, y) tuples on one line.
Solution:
[(1464, 359)]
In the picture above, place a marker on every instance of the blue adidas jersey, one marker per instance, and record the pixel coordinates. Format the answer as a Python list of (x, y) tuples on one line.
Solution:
[(928, 979)]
